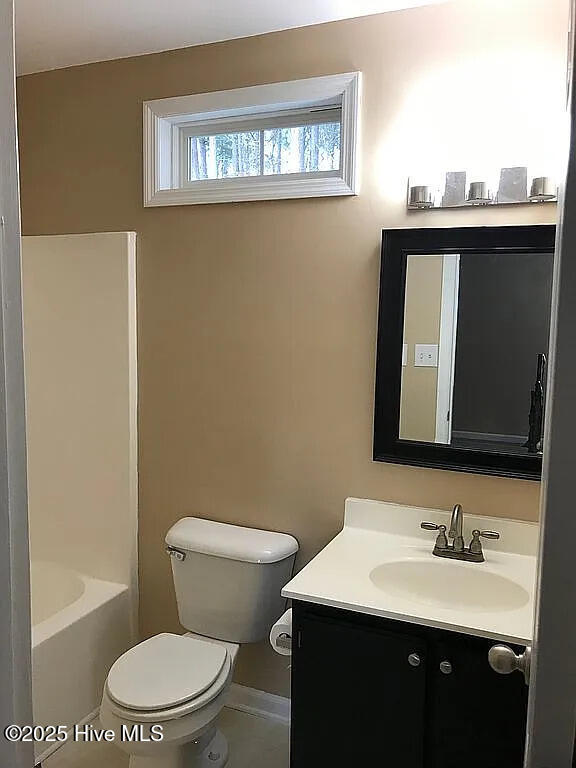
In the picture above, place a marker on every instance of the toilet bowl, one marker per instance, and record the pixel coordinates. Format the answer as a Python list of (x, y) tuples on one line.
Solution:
[(162, 699)]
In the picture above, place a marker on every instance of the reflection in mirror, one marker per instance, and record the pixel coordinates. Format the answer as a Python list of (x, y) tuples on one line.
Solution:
[(476, 329)]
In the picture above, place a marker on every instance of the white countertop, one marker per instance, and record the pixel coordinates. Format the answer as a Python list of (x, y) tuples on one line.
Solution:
[(376, 533)]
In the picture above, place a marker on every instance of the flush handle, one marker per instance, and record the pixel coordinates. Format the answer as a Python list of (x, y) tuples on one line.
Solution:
[(504, 661), (176, 553)]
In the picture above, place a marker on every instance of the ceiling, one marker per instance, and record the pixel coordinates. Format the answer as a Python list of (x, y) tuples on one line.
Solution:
[(51, 34)]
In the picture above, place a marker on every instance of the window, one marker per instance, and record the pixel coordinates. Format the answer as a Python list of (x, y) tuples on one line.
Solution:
[(299, 142), (295, 139)]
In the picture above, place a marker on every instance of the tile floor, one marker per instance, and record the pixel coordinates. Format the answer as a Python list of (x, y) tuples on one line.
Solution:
[(255, 742)]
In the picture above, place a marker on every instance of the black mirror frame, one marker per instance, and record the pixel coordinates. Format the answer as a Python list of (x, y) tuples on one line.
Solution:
[(397, 244)]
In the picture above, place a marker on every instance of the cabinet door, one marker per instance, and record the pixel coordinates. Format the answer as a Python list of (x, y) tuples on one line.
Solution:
[(477, 718), (356, 698)]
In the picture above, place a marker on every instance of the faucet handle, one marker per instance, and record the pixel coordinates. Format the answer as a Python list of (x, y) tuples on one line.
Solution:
[(441, 540), (476, 545), (489, 534)]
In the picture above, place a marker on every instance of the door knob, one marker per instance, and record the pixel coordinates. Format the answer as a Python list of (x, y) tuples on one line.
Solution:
[(504, 661), (414, 660)]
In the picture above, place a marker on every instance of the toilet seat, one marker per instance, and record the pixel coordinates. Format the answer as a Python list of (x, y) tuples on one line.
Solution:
[(166, 677)]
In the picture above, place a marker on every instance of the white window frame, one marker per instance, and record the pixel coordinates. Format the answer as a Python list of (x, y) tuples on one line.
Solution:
[(167, 123)]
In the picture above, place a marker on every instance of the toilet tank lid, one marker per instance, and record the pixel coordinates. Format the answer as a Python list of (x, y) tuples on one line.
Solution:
[(234, 542)]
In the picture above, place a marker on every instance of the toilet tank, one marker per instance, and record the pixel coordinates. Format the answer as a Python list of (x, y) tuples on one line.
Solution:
[(228, 578)]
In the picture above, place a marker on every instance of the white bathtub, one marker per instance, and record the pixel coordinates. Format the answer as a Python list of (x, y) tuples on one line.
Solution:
[(80, 625)]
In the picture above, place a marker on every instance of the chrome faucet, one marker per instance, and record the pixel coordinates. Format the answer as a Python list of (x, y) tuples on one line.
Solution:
[(455, 531), (457, 550)]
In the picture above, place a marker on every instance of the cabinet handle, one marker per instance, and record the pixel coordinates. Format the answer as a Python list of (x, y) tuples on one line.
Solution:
[(414, 660), (446, 667)]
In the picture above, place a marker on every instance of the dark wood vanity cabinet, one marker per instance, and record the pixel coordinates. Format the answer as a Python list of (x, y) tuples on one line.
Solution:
[(475, 717), (355, 696), (370, 691)]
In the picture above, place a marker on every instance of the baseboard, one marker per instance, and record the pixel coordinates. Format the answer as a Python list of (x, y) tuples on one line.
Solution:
[(260, 703)]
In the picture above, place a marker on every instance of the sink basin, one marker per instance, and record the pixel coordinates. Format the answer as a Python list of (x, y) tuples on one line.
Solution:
[(381, 564), (449, 584)]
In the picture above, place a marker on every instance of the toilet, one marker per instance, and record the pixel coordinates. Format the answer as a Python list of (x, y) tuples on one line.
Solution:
[(162, 698)]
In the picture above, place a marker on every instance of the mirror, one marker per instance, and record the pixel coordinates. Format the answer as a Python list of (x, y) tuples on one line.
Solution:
[(476, 329), (463, 348)]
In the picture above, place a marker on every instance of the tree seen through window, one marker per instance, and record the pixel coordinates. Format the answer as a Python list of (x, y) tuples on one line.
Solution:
[(299, 149)]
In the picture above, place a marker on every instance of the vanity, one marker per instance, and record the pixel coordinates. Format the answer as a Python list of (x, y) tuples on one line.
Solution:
[(411, 629), (391, 644)]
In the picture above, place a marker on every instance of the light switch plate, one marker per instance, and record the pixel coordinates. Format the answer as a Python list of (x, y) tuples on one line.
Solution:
[(426, 355)]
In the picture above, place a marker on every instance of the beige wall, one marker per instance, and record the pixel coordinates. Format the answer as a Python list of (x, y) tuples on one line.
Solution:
[(80, 360), (257, 321), (422, 308)]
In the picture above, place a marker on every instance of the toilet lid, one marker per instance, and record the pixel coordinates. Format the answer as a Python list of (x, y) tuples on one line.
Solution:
[(165, 671)]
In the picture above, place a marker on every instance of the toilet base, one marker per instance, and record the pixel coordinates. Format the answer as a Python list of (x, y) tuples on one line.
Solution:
[(206, 752)]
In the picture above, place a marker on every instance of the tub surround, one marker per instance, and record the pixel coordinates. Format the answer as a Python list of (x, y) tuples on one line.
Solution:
[(80, 362), (493, 599), (81, 391)]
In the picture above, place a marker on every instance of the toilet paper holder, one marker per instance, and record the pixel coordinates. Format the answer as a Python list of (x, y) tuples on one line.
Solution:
[(281, 634), (284, 640)]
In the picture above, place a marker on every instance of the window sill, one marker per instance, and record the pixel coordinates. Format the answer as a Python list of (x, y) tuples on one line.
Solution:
[(242, 190)]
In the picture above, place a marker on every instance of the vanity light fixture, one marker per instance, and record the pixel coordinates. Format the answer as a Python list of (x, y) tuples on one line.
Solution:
[(479, 194), (420, 196), (543, 188), (509, 185)]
